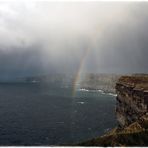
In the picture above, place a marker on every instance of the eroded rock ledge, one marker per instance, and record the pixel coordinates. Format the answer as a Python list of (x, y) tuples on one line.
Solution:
[(132, 114), (132, 99)]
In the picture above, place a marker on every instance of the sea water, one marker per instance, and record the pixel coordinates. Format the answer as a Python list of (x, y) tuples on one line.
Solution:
[(48, 114)]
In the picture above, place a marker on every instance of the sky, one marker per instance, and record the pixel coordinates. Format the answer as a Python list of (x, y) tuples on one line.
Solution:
[(40, 37)]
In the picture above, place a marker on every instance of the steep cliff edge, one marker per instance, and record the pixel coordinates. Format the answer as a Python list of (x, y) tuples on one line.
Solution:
[(132, 99), (132, 114)]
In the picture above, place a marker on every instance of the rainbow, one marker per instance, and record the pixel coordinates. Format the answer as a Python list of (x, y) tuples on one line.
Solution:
[(93, 41), (78, 74)]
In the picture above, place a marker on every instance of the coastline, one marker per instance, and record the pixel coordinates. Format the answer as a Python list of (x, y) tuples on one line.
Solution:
[(98, 90)]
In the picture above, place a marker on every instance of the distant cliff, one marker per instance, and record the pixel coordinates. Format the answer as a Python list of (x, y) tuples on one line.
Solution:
[(104, 82), (90, 81), (132, 114)]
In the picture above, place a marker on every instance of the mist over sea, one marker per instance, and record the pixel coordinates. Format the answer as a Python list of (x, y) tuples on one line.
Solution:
[(48, 114)]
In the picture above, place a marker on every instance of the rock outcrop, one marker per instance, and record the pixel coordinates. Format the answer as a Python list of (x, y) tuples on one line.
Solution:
[(132, 114), (132, 99)]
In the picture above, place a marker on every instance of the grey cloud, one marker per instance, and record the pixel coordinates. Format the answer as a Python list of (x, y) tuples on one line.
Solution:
[(43, 37)]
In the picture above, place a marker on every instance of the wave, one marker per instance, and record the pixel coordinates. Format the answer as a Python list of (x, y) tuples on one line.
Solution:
[(88, 90), (111, 94), (83, 89), (81, 102), (98, 90)]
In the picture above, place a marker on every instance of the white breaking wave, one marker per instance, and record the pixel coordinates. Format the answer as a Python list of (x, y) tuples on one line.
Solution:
[(111, 94), (99, 90), (81, 102), (83, 89)]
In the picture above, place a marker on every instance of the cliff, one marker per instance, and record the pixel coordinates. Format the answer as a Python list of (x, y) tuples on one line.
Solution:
[(89, 81), (104, 82), (132, 114), (132, 99)]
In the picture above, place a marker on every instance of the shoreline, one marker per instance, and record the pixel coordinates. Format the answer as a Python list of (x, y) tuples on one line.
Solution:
[(98, 90)]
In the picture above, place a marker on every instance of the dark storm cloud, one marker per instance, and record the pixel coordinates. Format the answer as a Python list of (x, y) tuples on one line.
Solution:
[(43, 37), (20, 63)]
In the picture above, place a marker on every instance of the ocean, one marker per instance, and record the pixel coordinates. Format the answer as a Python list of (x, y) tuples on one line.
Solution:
[(48, 114)]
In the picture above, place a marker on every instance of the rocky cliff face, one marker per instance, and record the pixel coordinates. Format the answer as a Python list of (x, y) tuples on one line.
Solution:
[(132, 114), (132, 99)]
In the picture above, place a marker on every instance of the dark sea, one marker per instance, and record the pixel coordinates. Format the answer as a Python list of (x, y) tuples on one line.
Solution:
[(48, 114)]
